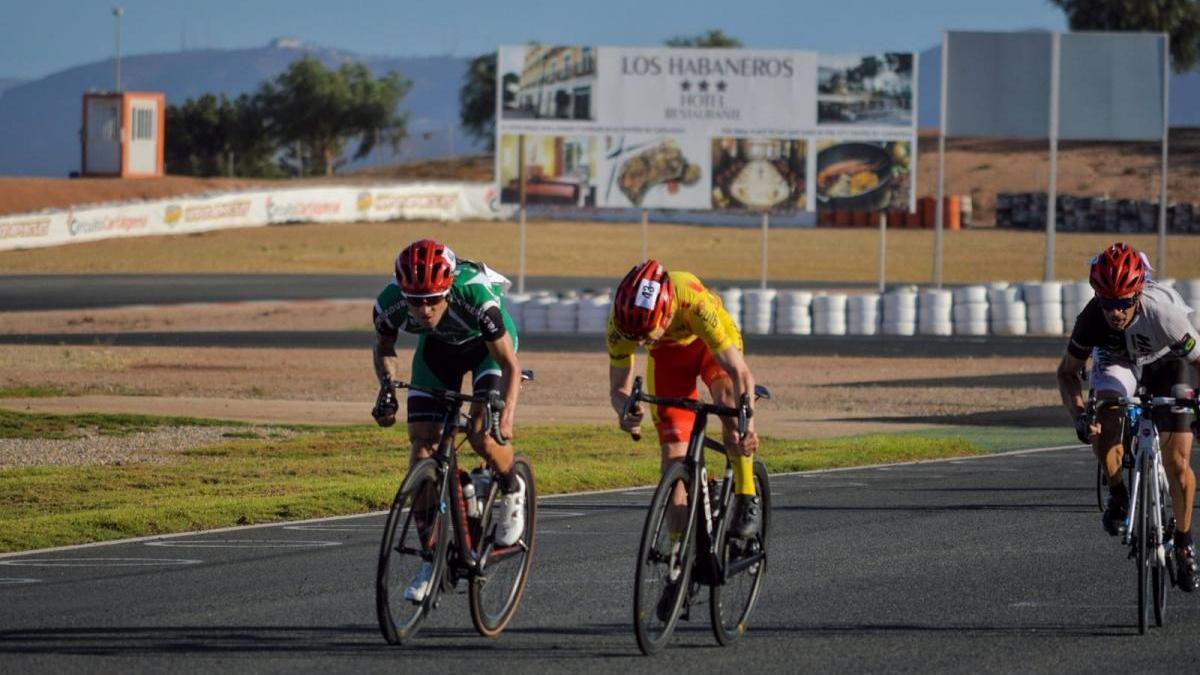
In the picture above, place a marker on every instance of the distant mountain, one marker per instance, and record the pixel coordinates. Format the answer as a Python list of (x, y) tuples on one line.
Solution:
[(10, 82), (40, 120)]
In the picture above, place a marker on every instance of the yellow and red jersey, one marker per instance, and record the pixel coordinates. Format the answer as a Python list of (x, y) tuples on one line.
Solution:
[(697, 313)]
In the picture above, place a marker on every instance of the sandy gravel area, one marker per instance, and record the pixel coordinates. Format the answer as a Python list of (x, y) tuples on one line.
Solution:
[(813, 396)]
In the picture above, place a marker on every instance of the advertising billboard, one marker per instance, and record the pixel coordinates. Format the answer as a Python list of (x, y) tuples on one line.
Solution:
[(664, 128)]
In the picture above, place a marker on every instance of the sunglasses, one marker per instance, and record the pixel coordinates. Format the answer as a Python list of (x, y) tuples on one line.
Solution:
[(424, 301), (1118, 303)]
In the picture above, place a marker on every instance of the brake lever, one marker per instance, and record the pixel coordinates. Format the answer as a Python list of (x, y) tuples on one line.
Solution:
[(634, 395), (495, 404)]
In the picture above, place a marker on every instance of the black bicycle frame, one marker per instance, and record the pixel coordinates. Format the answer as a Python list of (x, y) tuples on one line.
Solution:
[(710, 566)]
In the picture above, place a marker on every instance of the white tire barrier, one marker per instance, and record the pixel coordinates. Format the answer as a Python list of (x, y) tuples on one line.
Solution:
[(757, 310), (537, 313), (593, 314), (793, 313), (731, 298), (863, 314), (563, 316), (514, 304), (829, 314), (899, 313), (934, 312)]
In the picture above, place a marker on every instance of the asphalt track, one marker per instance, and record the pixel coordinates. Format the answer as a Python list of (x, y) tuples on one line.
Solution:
[(994, 564), (31, 292)]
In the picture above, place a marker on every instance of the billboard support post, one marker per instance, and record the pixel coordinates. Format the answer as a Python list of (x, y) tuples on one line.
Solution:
[(941, 179), (1162, 194), (521, 218), (882, 252), (645, 233), (765, 227), (1052, 187)]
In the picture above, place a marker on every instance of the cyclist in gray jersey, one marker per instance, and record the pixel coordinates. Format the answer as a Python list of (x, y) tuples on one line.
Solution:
[(1136, 332), (456, 309)]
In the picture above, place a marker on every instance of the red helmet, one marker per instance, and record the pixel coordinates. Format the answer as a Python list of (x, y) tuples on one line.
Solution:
[(643, 300), (425, 268), (1118, 271)]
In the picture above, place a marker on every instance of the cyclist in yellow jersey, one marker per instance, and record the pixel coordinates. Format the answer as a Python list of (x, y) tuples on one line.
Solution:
[(689, 335)]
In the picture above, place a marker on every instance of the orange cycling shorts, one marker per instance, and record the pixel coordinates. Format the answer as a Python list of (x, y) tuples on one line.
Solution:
[(671, 371)]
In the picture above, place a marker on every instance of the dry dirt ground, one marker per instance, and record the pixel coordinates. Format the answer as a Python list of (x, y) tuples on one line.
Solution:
[(813, 396)]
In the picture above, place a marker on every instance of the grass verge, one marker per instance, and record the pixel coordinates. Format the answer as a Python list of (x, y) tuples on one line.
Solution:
[(254, 478)]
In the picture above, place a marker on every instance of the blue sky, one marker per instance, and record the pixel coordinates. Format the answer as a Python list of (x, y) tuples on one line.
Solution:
[(39, 37)]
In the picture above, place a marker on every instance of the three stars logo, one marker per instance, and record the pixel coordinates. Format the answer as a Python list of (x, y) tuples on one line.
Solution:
[(703, 85)]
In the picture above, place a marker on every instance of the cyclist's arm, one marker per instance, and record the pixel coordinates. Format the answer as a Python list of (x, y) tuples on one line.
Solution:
[(731, 361), (620, 385), (501, 349), (1069, 386)]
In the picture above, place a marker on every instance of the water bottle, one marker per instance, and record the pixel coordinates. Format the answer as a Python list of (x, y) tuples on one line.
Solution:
[(468, 491), (482, 481)]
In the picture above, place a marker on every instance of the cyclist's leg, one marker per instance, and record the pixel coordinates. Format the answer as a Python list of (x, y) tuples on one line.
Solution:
[(671, 372), (1175, 439), (720, 385), (1111, 377), (485, 377)]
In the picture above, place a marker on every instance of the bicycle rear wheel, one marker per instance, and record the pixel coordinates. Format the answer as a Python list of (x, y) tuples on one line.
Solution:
[(664, 564), (416, 534), (732, 602), (496, 591), (1101, 482)]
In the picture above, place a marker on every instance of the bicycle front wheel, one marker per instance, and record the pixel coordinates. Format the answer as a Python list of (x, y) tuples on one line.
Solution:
[(664, 564), (496, 591), (1165, 529), (744, 564), (416, 536), (1142, 532), (1101, 482)]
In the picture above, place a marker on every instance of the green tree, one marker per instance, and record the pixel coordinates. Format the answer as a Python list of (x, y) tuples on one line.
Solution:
[(214, 136), (312, 112), (1178, 18), (477, 99), (713, 37)]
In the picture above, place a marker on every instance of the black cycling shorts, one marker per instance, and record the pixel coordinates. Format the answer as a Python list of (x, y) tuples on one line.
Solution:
[(1159, 378), (441, 365)]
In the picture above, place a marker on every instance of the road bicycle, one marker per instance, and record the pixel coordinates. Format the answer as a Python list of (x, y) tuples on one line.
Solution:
[(672, 570), (436, 496), (1149, 527)]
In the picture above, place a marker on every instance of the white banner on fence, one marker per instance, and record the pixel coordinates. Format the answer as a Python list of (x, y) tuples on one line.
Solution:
[(706, 128), (417, 201)]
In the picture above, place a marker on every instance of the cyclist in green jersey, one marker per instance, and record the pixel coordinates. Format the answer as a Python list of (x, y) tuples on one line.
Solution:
[(456, 308)]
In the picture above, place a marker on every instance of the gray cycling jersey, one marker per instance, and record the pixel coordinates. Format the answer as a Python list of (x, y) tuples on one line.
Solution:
[(1161, 326)]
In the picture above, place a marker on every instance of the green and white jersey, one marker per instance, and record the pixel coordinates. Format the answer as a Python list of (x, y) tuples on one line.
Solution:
[(476, 308)]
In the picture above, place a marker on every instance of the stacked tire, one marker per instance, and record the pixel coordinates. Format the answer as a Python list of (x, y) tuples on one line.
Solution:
[(1044, 307), (793, 313), (863, 315), (1006, 310), (1075, 296), (731, 298), (757, 311), (537, 313), (935, 306), (1190, 290), (970, 311), (829, 314), (900, 312), (593, 313), (514, 304)]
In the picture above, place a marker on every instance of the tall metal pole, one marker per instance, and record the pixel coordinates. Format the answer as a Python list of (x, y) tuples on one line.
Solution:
[(765, 228), (882, 252), (1162, 195), (1052, 197), (645, 234), (941, 180), (521, 211), (117, 12)]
